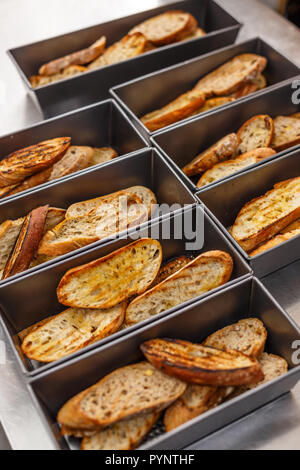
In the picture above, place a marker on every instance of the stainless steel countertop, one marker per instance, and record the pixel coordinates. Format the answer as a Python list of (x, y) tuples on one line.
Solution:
[(275, 426)]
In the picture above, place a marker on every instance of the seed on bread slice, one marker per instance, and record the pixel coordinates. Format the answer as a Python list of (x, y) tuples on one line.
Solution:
[(223, 149), (30, 160), (168, 27), (128, 47), (170, 268), (255, 133), (26, 243), (127, 392), (70, 71), (213, 103), (102, 155), (127, 271), (124, 435), (232, 75), (286, 132), (277, 240), (182, 107), (207, 271), (265, 216), (71, 330), (81, 57), (203, 365), (229, 167), (76, 158), (247, 336)]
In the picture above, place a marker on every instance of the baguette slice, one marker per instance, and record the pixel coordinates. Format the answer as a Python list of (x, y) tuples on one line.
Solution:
[(247, 336), (208, 271), (168, 27), (229, 167), (71, 330), (127, 271), (75, 159), (257, 84), (30, 160), (286, 132), (124, 435), (230, 76), (277, 240), (33, 181), (106, 221), (255, 133), (223, 149), (178, 109), (202, 365), (102, 154), (71, 71), (84, 56), (213, 103), (170, 268), (80, 209), (26, 243), (127, 392), (128, 47), (265, 216)]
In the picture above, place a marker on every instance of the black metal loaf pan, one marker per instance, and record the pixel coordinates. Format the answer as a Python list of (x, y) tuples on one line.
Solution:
[(100, 125), (33, 297), (248, 298), (223, 201), (153, 91), (90, 87), (181, 143), (146, 168)]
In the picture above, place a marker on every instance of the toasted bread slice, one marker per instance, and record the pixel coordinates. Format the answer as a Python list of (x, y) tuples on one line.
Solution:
[(257, 84), (265, 216), (129, 46), (198, 33), (286, 132), (170, 268), (223, 149), (83, 208), (168, 27), (202, 365), (132, 390), (178, 109), (255, 133), (76, 158), (232, 75), (107, 220), (247, 336), (26, 243), (102, 155), (124, 435), (209, 270), (71, 71), (81, 57), (128, 271), (277, 240), (293, 226), (213, 103), (33, 181), (229, 167), (30, 160), (70, 331), (6, 190)]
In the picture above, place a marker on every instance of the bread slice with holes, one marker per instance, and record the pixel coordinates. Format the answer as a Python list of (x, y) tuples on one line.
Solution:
[(102, 155), (180, 108), (255, 133), (286, 132), (123, 435), (230, 76), (229, 167), (75, 159), (30, 160), (128, 271), (225, 148), (265, 216), (82, 57), (70, 331), (247, 336), (202, 365), (128, 47), (70, 71), (207, 271), (168, 27), (127, 392), (277, 240)]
